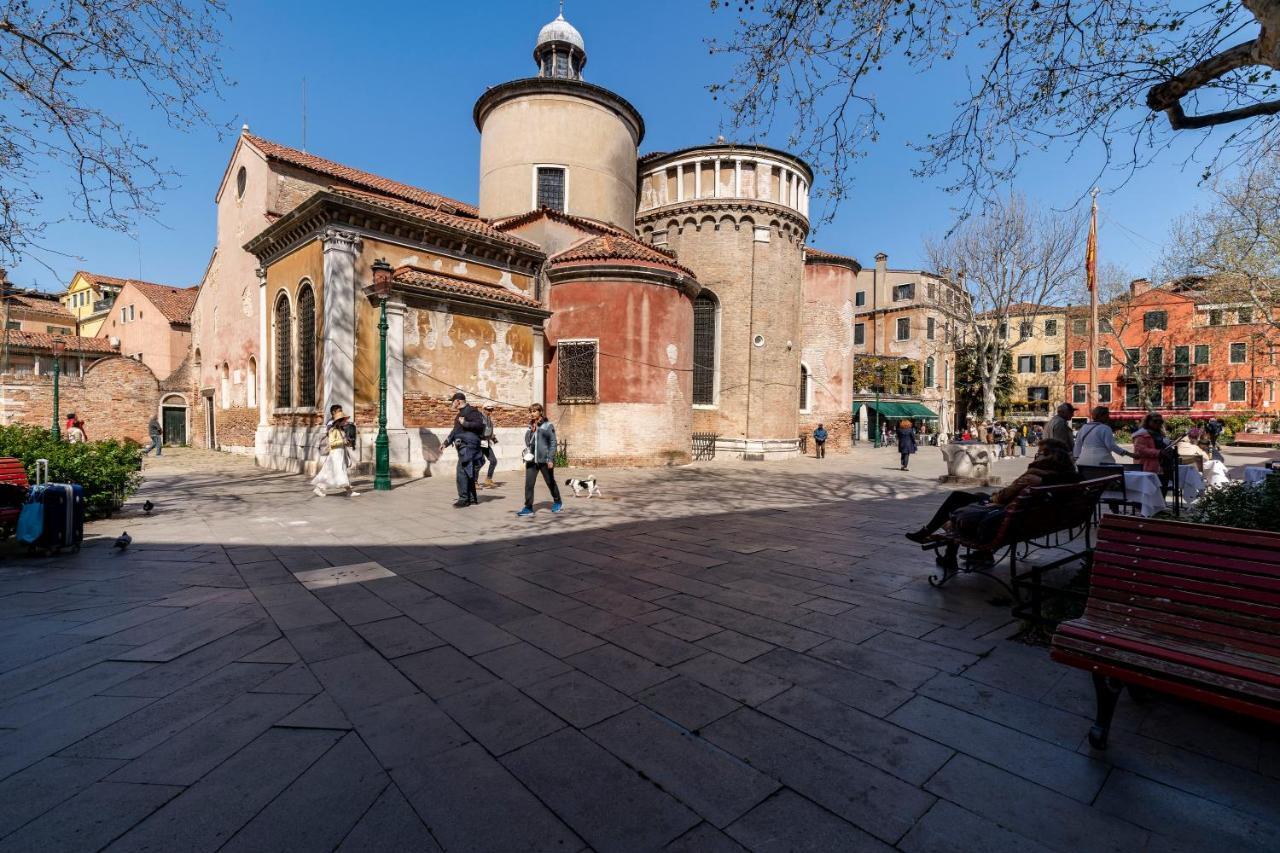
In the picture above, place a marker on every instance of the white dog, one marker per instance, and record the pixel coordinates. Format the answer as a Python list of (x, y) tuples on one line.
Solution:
[(584, 484)]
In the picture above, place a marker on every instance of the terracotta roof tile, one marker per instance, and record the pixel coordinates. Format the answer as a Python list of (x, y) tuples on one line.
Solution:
[(818, 255), (75, 344), (592, 225), (175, 303), (434, 282), (44, 303), (360, 178), (475, 226), (617, 247), (112, 281)]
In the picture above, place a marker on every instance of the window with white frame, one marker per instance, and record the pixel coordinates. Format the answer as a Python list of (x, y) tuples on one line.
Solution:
[(550, 189), (1104, 393), (1239, 351), (1236, 391), (904, 328), (1079, 393)]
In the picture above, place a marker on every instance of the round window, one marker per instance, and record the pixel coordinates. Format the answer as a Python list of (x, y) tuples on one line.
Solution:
[(242, 177), (758, 340)]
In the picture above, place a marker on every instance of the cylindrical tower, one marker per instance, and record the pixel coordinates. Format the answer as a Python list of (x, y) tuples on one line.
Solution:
[(737, 216), (556, 141)]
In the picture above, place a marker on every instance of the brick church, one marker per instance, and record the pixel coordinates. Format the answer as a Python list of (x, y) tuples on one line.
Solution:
[(642, 299)]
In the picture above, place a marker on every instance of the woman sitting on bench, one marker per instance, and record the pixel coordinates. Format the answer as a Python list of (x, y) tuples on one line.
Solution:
[(965, 513)]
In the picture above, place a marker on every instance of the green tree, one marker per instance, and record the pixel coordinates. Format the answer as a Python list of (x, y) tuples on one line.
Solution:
[(970, 384)]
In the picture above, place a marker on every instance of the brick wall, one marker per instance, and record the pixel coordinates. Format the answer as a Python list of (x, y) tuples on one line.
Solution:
[(116, 399), (839, 427), (421, 410)]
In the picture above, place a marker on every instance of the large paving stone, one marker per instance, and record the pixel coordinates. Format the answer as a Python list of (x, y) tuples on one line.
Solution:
[(620, 669), (853, 689), (738, 681), (788, 823), (947, 828), (390, 824), (472, 635), (687, 702), (361, 680), (652, 645), (552, 636), (90, 819), (579, 699), (521, 664), (27, 795), (499, 716), (443, 672), (407, 731), (585, 785), (397, 637)]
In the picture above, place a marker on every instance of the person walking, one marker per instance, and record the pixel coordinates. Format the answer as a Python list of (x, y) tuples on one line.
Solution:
[(906, 442), (1059, 426), (1022, 440), (998, 437), (75, 433), (1213, 427), (468, 427), (332, 476), (820, 442), (156, 433), (1096, 443), (486, 443), (539, 456)]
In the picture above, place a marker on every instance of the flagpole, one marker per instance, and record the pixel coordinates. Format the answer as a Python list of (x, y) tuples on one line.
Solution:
[(1092, 273)]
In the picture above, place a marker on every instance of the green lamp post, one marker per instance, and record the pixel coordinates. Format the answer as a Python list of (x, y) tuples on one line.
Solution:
[(59, 346), (382, 447), (879, 427)]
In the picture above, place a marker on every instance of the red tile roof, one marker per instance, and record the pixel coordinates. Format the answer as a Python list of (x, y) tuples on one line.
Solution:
[(618, 247), (360, 178), (175, 303), (112, 281), (475, 226), (818, 255), (75, 344), (44, 303), (439, 283), (593, 226)]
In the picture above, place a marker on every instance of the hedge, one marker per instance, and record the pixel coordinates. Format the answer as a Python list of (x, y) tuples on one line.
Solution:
[(108, 471)]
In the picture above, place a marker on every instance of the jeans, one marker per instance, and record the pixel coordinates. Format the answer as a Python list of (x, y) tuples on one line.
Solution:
[(906, 457), (820, 449), (157, 444), (953, 502), (493, 461), (468, 469), (531, 470)]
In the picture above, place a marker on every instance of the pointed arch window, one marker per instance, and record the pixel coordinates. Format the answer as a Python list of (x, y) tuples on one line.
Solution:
[(928, 372), (284, 353), (706, 322), (804, 388), (306, 346)]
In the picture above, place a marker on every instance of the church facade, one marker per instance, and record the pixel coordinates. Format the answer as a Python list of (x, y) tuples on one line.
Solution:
[(641, 299)]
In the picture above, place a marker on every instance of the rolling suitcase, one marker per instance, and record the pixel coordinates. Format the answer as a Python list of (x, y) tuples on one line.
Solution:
[(57, 509)]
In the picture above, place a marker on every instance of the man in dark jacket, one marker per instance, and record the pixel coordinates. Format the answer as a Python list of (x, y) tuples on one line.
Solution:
[(468, 429)]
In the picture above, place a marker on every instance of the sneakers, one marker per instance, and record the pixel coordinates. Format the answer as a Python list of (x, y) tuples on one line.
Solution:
[(488, 482), (526, 511), (557, 506), (319, 492)]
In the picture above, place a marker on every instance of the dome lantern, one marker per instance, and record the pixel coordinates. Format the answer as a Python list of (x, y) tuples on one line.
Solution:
[(560, 50)]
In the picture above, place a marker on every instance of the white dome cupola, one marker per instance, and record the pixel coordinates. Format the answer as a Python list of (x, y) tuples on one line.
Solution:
[(560, 51)]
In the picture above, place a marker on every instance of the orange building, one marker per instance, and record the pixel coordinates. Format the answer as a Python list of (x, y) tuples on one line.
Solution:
[(1177, 350)]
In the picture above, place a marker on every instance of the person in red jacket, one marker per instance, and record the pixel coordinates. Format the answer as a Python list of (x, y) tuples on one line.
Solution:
[(1149, 442)]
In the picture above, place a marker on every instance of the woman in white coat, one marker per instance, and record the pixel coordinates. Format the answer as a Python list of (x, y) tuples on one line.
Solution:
[(332, 476), (1096, 443)]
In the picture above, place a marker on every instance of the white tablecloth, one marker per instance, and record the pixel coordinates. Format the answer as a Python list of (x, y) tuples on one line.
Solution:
[(1191, 482), (1255, 473), (1215, 472), (1144, 488)]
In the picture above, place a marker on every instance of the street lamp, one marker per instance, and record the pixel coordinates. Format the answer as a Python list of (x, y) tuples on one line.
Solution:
[(382, 449), (879, 434), (59, 346)]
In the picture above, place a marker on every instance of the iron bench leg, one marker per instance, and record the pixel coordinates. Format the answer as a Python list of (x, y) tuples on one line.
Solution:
[(1107, 691)]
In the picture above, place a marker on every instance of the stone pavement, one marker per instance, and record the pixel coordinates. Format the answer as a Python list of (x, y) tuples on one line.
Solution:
[(710, 658)]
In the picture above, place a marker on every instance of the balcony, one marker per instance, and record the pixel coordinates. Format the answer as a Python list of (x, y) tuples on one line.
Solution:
[(1164, 372)]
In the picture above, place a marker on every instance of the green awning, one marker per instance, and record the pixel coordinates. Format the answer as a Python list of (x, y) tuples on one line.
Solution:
[(891, 410)]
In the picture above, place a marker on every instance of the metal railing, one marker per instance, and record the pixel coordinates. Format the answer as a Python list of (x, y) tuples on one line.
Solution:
[(703, 446)]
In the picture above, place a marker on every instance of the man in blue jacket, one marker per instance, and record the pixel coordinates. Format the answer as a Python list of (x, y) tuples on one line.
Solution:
[(468, 429)]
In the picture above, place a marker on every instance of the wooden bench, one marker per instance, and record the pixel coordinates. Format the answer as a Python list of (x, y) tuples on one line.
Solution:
[(1256, 439), (13, 473), (1042, 516), (1187, 609)]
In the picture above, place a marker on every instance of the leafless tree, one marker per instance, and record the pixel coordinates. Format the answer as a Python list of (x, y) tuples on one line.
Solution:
[(1128, 75), (1234, 242), (64, 67), (1012, 260)]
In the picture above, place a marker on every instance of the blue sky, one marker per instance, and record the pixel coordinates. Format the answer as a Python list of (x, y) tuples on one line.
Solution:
[(391, 87)]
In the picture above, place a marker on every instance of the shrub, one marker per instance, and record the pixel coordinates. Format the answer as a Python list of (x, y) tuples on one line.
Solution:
[(1253, 506), (108, 471)]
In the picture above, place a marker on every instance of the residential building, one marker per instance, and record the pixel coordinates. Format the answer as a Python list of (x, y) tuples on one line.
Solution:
[(1176, 349), (151, 323), (918, 316), (89, 297), (1038, 336), (36, 312)]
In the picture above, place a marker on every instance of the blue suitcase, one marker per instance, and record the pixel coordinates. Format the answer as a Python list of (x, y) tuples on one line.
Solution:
[(53, 518)]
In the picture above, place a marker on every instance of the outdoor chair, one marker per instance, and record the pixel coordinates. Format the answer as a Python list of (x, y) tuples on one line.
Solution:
[(1116, 497)]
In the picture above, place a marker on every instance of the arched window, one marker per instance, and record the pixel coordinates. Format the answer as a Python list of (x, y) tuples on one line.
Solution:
[(195, 367), (306, 346), (804, 388), (284, 353), (224, 378), (928, 372), (706, 323), (251, 384)]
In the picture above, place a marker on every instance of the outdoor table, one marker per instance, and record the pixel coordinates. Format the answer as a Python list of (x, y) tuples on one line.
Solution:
[(1215, 472), (1191, 482), (1256, 473)]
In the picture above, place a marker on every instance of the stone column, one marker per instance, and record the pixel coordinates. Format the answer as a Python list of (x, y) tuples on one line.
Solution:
[(737, 178), (697, 179), (264, 407), (680, 182), (395, 364), (539, 366), (338, 352)]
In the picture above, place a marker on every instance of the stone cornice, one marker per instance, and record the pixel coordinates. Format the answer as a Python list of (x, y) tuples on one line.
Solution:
[(323, 211), (559, 86), (726, 151), (722, 205), (622, 273), (472, 306)]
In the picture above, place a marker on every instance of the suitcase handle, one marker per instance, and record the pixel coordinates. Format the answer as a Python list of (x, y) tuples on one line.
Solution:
[(42, 471)]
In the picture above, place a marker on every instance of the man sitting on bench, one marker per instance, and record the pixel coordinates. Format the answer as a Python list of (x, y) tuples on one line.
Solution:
[(968, 514)]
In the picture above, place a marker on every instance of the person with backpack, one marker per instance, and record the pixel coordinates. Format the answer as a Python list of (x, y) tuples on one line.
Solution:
[(539, 456), (820, 442), (1213, 427), (332, 476), (156, 434), (486, 443), (1095, 442), (468, 427)]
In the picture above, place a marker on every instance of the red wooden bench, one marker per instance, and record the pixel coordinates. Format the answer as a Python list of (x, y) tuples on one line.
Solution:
[(1260, 439), (1187, 609), (12, 472)]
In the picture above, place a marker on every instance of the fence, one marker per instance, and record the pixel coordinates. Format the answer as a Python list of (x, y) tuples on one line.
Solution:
[(704, 446), (562, 455)]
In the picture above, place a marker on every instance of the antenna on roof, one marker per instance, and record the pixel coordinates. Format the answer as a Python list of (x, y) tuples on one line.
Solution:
[(562, 8), (304, 113)]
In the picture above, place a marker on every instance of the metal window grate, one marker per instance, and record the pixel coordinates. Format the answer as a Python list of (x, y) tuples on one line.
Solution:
[(804, 388), (576, 372), (306, 347), (551, 188), (284, 354), (704, 351), (703, 446)]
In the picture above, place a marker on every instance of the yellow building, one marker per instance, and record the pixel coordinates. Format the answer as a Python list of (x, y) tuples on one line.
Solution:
[(89, 298), (1038, 333)]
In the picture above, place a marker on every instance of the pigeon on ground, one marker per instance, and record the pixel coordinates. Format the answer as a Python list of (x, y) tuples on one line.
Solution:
[(123, 540), (147, 506)]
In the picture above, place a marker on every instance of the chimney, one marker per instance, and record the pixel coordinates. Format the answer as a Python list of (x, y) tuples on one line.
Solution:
[(1139, 286), (882, 264)]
